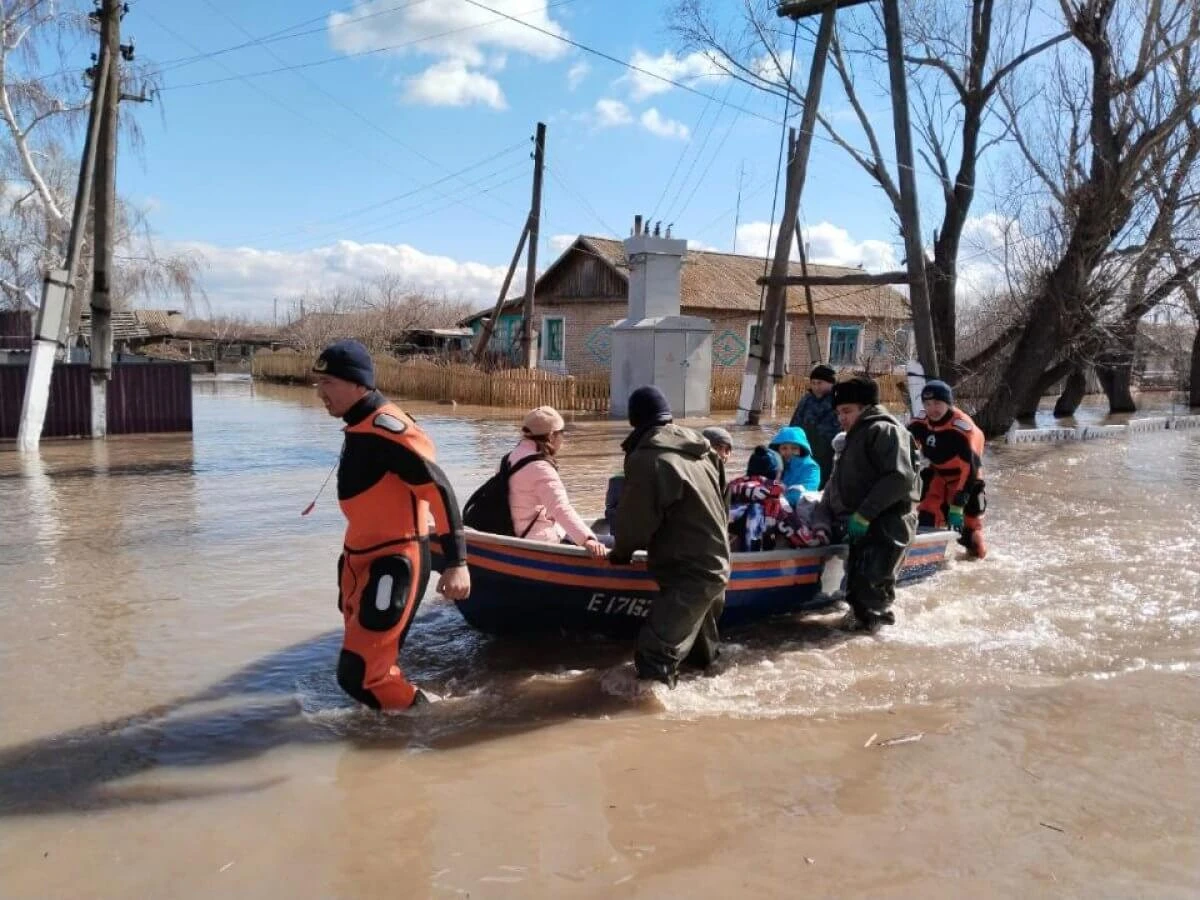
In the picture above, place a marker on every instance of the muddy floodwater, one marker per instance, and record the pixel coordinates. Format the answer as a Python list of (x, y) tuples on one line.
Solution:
[(170, 725)]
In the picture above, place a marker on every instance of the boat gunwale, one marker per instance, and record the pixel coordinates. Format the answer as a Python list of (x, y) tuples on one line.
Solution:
[(814, 554)]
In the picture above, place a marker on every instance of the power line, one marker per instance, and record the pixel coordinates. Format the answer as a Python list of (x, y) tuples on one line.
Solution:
[(354, 112), (283, 34), (363, 53), (352, 213), (682, 155), (457, 196)]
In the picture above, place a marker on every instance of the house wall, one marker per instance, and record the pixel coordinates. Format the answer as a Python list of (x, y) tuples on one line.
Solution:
[(506, 335), (587, 339), (731, 340)]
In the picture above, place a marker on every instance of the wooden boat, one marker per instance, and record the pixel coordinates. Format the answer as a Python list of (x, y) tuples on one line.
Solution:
[(529, 586)]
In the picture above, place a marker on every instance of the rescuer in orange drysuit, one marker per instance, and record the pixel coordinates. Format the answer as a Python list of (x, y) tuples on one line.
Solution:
[(388, 483), (952, 484)]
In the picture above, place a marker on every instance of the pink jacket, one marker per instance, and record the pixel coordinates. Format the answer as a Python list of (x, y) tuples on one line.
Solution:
[(536, 494)]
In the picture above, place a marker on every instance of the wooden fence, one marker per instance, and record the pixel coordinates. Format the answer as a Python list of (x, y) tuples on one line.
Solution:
[(523, 388)]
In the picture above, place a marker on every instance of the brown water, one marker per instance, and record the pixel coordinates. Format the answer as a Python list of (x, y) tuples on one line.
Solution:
[(170, 726)]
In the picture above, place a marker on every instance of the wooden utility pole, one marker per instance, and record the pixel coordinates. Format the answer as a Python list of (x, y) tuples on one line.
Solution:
[(489, 324), (814, 341), (775, 310), (910, 219), (105, 220), (528, 346)]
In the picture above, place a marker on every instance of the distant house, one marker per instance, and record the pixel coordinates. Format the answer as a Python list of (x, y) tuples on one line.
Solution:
[(585, 291)]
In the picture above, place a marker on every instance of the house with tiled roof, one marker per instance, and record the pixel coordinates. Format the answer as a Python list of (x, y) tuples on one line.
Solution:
[(585, 291)]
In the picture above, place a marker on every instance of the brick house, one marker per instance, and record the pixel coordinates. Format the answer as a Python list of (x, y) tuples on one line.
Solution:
[(584, 292)]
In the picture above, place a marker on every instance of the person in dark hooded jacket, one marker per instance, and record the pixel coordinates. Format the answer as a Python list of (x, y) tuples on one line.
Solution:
[(673, 507), (870, 500)]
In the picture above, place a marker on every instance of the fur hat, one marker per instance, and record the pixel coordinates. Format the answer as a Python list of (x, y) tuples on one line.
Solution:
[(860, 389)]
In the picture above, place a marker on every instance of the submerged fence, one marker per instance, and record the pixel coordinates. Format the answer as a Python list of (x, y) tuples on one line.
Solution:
[(524, 388)]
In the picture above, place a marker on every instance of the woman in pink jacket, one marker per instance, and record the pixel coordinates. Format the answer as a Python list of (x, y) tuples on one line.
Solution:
[(536, 496)]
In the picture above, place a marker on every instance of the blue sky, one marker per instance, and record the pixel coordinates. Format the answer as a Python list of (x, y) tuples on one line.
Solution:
[(298, 180)]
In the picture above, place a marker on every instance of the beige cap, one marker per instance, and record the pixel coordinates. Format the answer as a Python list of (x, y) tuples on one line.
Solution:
[(542, 422)]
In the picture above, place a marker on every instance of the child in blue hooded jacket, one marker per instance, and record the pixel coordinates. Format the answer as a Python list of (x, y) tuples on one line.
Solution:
[(800, 471)]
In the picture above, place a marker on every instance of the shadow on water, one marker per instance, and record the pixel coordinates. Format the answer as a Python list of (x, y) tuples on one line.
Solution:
[(500, 689)]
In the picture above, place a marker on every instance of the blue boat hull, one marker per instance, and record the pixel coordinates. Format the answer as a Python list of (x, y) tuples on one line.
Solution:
[(524, 587)]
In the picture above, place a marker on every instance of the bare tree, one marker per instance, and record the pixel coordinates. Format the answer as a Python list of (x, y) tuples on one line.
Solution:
[(959, 55), (379, 313), (43, 101), (1119, 96)]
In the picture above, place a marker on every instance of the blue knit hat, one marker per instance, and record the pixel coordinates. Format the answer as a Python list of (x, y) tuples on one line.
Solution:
[(348, 360), (937, 390), (765, 462), (648, 406)]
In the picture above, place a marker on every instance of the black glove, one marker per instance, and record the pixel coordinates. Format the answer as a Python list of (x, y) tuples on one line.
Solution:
[(619, 559)]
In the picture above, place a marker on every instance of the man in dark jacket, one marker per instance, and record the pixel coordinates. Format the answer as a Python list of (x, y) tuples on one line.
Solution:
[(870, 499), (672, 506), (814, 413)]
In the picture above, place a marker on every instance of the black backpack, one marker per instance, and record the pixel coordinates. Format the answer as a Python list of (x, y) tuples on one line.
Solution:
[(487, 509)]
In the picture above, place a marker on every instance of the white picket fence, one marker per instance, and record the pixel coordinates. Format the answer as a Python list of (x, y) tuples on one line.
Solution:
[(1092, 432)]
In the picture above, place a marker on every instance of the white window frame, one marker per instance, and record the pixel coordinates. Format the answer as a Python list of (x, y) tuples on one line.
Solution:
[(553, 365), (787, 343), (857, 342)]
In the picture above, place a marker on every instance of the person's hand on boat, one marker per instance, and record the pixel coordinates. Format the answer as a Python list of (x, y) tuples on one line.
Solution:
[(455, 583), (954, 518), (856, 528), (595, 548)]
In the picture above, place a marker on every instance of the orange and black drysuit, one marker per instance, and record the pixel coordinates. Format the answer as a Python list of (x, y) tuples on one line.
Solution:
[(388, 484), (953, 446)]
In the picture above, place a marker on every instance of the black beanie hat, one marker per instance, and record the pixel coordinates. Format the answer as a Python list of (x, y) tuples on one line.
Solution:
[(859, 389), (765, 462), (937, 390), (823, 373), (648, 406), (348, 360)]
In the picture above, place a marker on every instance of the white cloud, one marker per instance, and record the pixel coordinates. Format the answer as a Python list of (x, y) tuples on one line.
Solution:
[(981, 259), (683, 69), (465, 39), (576, 74), (454, 30), (244, 280), (561, 242), (450, 83), (828, 244), (611, 113), (656, 124)]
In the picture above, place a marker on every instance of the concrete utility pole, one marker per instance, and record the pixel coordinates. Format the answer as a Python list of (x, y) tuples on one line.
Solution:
[(104, 220), (59, 294), (528, 347)]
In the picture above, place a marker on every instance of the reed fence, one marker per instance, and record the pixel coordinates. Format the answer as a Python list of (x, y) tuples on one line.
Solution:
[(442, 382), (523, 388)]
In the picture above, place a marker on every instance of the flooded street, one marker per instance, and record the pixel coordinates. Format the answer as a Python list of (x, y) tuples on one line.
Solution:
[(170, 724)]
